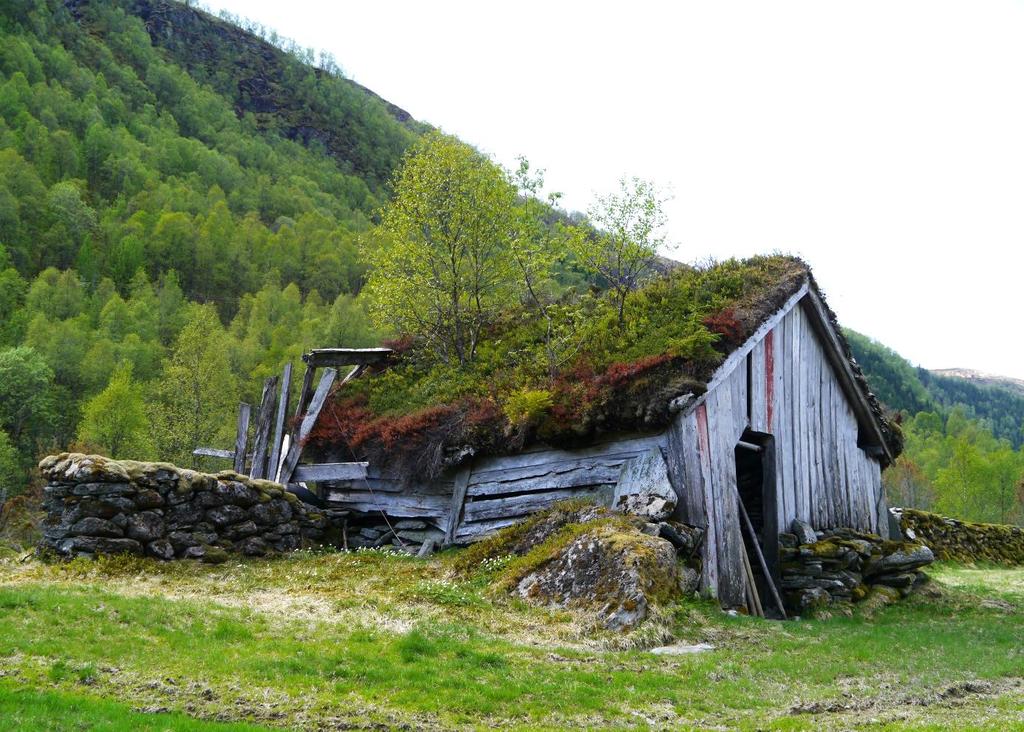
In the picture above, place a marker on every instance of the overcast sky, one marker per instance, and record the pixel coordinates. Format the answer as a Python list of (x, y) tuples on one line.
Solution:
[(883, 142)]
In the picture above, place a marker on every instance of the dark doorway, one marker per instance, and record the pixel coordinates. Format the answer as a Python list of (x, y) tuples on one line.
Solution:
[(755, 478)]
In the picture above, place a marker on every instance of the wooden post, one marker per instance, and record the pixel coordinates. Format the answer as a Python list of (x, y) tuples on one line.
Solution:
[(306, 426), (241, 437), (282, 410), (458, 498), (258, 469)]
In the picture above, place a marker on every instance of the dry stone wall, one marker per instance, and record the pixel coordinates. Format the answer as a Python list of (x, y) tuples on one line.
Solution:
[(821, 568), (963, 541), (100, 506)]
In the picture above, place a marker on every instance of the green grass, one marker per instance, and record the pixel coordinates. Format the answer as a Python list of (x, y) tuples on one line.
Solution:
[(373, 639), (26, 710)]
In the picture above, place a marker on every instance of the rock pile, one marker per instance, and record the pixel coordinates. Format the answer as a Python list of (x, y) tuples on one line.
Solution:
[(843, 566), (99, 506), (963, 541)]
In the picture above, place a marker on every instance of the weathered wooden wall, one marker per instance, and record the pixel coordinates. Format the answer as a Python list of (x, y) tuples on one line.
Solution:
[(780, 384), (496, 491)]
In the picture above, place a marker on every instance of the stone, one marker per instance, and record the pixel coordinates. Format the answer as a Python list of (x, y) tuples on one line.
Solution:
[(161, 549), (253, 547), (181, 540), (682, 649), (185, 514), (207, 499), (99, 545), (78, 468), (288, 543), (235, 493), (93, 526), (643, 488), (106, 507), (224, 515), (214, 555), (146, 526), (103, 489), (412, 524), (613, 571), (685, 538), (275, 511), (689, 580), (803, 532), (905, 579), (149, 499), (238, 531), (194, 552), (903, 559)]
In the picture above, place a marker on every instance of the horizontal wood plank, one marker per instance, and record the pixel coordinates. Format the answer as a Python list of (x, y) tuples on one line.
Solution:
[(528, 503), (214, 452), (329, 471), (319, 357)]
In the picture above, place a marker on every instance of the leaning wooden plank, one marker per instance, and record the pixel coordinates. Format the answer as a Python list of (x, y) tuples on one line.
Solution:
[(345, 356), (477, 530), (329, 471), (241, 437), (458, 499), (263, 422), (214, 452), (528, 503), (304, 393), (274, 462), (306, 426)]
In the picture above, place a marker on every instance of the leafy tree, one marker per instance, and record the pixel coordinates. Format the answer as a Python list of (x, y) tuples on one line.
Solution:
[(624, 248), (114, 421), (442, 268), (25, 408), (12, 472), (197, 396)]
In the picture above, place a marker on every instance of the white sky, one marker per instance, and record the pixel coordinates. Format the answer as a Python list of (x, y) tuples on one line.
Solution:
[(881, 141)]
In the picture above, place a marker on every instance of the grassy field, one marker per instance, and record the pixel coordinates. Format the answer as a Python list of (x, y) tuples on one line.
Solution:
[(372, 640)]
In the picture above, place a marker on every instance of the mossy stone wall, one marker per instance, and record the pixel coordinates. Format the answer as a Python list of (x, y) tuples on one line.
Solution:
[(99, 506), (963, 541)]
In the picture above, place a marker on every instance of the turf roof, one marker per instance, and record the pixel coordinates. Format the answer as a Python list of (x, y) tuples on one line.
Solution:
[(419, 417)]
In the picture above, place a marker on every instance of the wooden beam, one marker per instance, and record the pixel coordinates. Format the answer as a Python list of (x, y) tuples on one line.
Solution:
[(329, 471), (458, 499), (306, 426), (264, 418), (282, 410), (345, 356), (214, 452), (241, 437)]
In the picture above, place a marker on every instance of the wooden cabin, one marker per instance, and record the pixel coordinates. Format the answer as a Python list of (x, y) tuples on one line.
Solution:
[(786, 426)]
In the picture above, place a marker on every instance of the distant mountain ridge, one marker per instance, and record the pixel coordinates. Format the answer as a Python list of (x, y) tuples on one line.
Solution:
[(901, 386), (984, 379)]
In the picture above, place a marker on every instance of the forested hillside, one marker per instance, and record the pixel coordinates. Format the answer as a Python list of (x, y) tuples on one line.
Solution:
[(963, 439), (169, 229)]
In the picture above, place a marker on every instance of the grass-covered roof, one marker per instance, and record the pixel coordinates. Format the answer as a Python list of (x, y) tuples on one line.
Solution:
[(419, 416)]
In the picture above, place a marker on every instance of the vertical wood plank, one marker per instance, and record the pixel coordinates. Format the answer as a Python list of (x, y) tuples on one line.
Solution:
[(274, 463), (458, 501), (264, 419), (722, 424), (241, 437), (305, 391), (709, 549)]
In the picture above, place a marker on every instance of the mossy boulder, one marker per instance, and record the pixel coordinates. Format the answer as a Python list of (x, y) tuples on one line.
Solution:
[(616, 572)]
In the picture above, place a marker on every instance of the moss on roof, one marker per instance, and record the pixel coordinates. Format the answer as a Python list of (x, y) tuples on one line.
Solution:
[(419, 417)]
